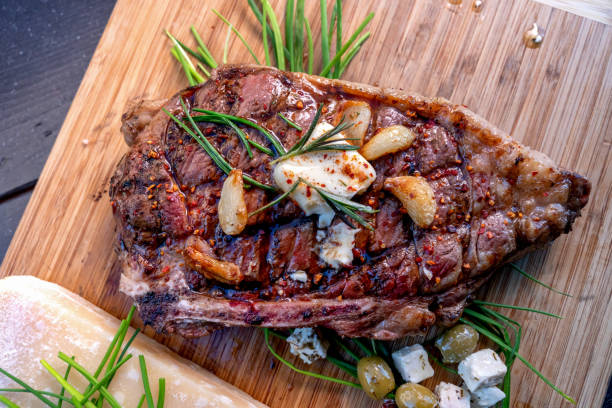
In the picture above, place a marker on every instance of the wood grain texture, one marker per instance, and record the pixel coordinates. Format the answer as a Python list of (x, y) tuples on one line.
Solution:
[(557, 99)]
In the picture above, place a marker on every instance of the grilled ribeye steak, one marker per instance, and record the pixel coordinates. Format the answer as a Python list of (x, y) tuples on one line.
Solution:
[(494, 199)]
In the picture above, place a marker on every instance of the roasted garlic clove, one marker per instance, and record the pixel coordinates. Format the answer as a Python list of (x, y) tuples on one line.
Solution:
[(416, 196), (359, 114), (389, 140), (232, 209)]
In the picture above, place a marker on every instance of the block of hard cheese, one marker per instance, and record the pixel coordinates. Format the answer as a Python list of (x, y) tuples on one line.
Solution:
[(38, 319)]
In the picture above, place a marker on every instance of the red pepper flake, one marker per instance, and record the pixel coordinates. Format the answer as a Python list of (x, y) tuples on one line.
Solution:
[(211, 242), (419, 259), (439, 238), (149, 142), (180, 141), (511, 214), (299, 104), (323, 185), (317, 278), (534, 173), (153, 154), (468, 217), (469, 168), (165, 270), (488, 194), (430, 262), (467, 266), (429, 124), (434, 228), (536, 219), (491, 203), (150, 196), (489, 234), (371, 202), (339, 297), (289, 181), (545, 194), (151, 178), (442, 200), (437, 279), (454, 172), (308, 192), (506, 222), (458, 161), (192, 189), (520, 214)]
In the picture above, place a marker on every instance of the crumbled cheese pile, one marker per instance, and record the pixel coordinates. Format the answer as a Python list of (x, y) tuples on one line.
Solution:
[(305, 344)]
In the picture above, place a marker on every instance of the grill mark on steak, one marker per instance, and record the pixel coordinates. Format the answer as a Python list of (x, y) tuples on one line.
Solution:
[(495, 199)]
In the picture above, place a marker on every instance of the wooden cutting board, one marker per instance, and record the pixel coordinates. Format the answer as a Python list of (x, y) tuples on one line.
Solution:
[(557, 99)]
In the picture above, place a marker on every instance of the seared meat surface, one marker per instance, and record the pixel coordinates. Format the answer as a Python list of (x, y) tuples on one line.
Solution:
[(494, 198)]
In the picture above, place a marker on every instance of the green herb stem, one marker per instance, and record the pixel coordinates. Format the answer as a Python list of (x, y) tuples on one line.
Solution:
[(231, 26), (28, 388), (506, 347), (203, 49), (527, 309), (276, 34), (530, 277), (8, 402), (276, 200), (304, 372), (73, 391), (324, 34), (145, 381), (339, 53), (290, 122)]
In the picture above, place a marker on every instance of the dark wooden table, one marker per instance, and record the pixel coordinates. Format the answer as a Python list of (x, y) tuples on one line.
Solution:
[(45, 47)]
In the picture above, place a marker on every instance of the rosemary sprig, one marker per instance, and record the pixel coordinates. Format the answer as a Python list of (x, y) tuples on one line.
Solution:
[(216, 157), (276, 143), (290, 122), (323, 143), (344, 207)]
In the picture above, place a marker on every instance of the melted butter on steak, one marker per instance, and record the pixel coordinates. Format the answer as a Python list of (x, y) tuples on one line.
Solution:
[(495, 199)]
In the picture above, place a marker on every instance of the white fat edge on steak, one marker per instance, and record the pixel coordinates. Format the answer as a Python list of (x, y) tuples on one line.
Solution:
[(344, 173)]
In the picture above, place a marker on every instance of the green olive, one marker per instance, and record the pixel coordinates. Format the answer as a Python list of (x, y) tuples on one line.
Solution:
[(412, 395), (457, 343), (375, 377)]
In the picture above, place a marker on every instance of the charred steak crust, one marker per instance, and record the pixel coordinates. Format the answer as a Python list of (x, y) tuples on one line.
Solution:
[(496, 199)]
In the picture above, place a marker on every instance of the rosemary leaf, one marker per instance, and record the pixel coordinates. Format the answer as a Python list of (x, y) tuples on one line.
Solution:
[(304, 372), (528, 276), (290, 122), (276, 200), (241, 136), (231, 26), (273, 139)]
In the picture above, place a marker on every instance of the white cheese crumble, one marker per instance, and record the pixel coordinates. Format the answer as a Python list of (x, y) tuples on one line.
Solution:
[(486, 397), (412, 363), (481, 369), (299, 276), (451, 396), (305, 344), (344, 173), (337, 248)]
